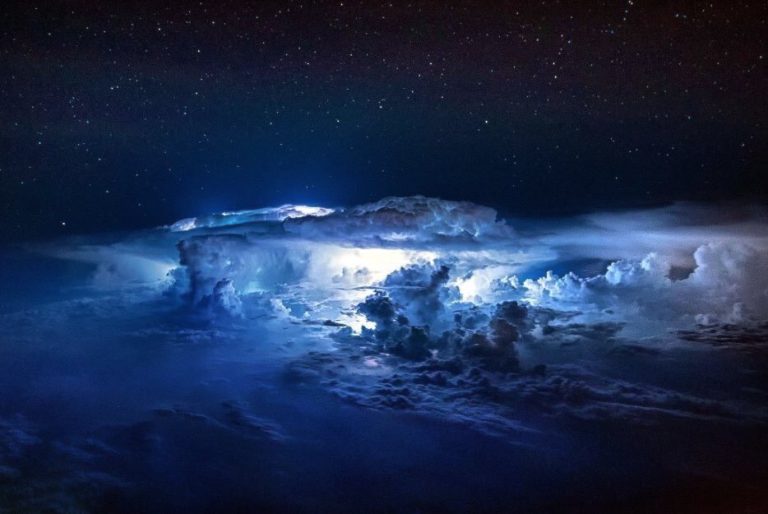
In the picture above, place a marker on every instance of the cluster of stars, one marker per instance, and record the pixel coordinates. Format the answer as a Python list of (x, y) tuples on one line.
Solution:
[(139, 112)]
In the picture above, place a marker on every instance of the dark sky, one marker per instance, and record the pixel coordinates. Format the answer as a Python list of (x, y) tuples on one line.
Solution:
[(117, 115)]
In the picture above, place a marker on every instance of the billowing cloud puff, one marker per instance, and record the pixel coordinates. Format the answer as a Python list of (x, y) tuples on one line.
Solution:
[(249, 265), (424, 290), (223, 300), (416, 315), (728, 283)]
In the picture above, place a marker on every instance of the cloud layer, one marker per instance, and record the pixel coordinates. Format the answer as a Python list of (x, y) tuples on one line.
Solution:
[(244, 330), (464, 307)]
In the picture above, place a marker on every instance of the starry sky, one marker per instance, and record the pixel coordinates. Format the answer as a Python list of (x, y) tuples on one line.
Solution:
[(119, 115)]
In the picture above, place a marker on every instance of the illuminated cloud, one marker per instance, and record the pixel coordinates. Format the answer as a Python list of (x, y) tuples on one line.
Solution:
[(267, 214), (728, 283), (672, 267), (442, 308), (405, 221)]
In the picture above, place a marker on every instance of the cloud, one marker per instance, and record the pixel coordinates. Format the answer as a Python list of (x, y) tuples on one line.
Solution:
[(500, 402), (470, 370), (266, 215), (423, 290), (223, 300), (118, 265), (659, 271), (405, 220), (729, 283), (443, 307), (674, 232), (655, 271), (16, 437)]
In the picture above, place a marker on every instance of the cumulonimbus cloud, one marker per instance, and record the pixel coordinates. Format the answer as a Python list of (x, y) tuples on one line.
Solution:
[(444, 307), (683, 264)]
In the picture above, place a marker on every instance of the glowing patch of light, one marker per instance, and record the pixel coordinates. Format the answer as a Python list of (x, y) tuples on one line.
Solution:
[(361, 267), (485, 284), (299, 211), (184, 225), (357, 322)]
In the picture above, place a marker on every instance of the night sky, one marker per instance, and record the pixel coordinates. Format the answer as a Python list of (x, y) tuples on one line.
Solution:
[(119, 115)]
